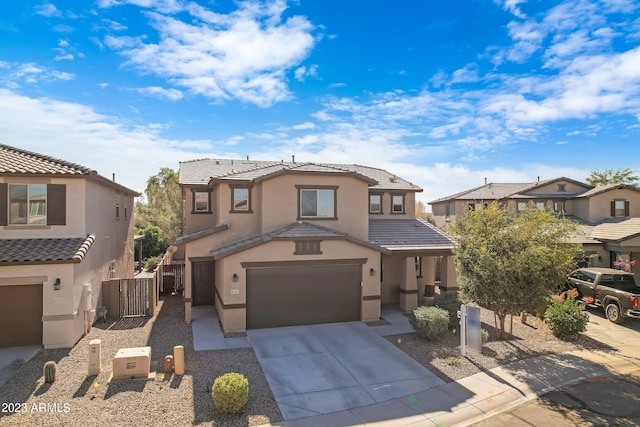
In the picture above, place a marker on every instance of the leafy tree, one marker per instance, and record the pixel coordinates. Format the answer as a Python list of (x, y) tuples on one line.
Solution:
[(610, 176), (164, 207), (513, 263), (155, 242)]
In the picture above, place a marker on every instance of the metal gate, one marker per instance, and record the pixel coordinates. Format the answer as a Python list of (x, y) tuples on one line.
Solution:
[(172, 278), (134, 297)]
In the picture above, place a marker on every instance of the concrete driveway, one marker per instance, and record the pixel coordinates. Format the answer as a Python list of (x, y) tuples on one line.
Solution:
[(12, 359), (319, 369)]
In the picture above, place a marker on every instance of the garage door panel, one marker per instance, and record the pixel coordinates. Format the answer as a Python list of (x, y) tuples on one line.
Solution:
[(303, 295), (20, 315)]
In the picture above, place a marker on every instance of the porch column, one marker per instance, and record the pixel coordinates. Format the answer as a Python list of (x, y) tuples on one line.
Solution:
[(408, 285), (429, 270), (449, 278), (187, 290)]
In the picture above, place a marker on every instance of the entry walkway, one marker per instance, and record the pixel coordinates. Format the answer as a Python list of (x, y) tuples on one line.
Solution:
[(207, 333)]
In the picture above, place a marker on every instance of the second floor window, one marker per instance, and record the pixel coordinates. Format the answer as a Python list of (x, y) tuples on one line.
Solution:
[(375, 203), (317, 203), (201, 201), (397, 204), (28, 204), (620, 208), (522, 206), (241, 199), (540, 206)]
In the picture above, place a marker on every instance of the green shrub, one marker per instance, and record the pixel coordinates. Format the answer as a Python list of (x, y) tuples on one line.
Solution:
[(152, 263), (230, 393), (484, 336), (429, 322), (450, 302), (566, 317)]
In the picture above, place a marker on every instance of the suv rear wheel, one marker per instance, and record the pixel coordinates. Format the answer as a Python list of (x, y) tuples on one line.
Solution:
[(613, 313)]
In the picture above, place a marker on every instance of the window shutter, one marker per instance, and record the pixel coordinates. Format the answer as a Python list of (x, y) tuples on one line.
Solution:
[(3, 203), (613, 208), (56, 204), (626, 208)]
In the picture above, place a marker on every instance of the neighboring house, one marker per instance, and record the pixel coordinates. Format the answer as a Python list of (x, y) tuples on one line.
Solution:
[(609, 215), (65, 229), (284, 243)]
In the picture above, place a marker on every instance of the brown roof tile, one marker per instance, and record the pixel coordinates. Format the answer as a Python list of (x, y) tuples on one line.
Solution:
[(44, 251)]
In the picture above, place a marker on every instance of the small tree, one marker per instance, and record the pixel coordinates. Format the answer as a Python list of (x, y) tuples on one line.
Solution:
[(610, 176), (512, 263), (155, 242), (164, 206)]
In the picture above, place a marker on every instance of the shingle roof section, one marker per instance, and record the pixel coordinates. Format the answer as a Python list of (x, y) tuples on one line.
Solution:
[(15, 160), (398, 234), (44, 251), (297, 230), (200, 172)]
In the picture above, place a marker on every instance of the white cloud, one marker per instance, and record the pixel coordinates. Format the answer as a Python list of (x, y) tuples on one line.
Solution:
[(31, 74), (165, 6), (160, 92), (242, 55), (79, 134), (49, 10), (511, 6), (304, 126)]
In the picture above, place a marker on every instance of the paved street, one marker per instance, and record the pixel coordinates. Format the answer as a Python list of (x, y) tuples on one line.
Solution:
[(604, 400)]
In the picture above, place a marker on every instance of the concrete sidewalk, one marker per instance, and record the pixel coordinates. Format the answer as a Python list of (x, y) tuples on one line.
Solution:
[(483, 395)]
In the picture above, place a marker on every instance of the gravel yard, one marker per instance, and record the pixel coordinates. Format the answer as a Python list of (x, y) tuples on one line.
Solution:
[(75, 399)]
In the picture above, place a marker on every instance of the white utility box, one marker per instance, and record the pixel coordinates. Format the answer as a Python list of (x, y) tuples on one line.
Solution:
[(95, 356), (132, 363)]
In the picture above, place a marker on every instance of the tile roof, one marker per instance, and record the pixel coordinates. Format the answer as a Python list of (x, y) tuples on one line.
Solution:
[(185, 238), (297, 230), (617, 230), (604, 188), (16, 161), (44, 251), (407, 234), (499, 191), (200, 172)]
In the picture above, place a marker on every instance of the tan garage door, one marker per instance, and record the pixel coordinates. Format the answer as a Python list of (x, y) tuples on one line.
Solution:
[(20, 315), (303, 295)]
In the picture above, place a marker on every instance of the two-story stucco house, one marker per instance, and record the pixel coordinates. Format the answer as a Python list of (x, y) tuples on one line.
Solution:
[(609, 215), (65, 229), (285, 243)]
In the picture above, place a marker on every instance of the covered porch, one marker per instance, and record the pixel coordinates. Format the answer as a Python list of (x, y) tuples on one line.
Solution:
[(421, 260)]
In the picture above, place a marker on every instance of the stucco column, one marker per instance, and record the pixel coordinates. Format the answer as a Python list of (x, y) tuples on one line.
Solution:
[(429, 270), (409, 285), (449, 278)]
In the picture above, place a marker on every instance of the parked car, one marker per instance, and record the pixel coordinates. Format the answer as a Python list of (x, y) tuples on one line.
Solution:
[(613, 290)]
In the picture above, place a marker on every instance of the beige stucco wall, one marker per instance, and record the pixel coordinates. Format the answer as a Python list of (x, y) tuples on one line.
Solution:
[(90, 209), (600, 205), (409, 205), (235, 292), (280, 202), (198, 221), (75, 223), (570, 188)]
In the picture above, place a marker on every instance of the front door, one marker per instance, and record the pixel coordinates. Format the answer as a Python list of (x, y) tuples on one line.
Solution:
[(203, 282)]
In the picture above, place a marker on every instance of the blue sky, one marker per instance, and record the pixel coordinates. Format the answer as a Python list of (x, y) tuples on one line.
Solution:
[(443, 93)]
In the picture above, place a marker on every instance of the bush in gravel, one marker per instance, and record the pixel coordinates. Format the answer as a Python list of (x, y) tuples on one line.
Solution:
[(566, 317), (484, 336), (429, 322), (230, 392), (450, 302)]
